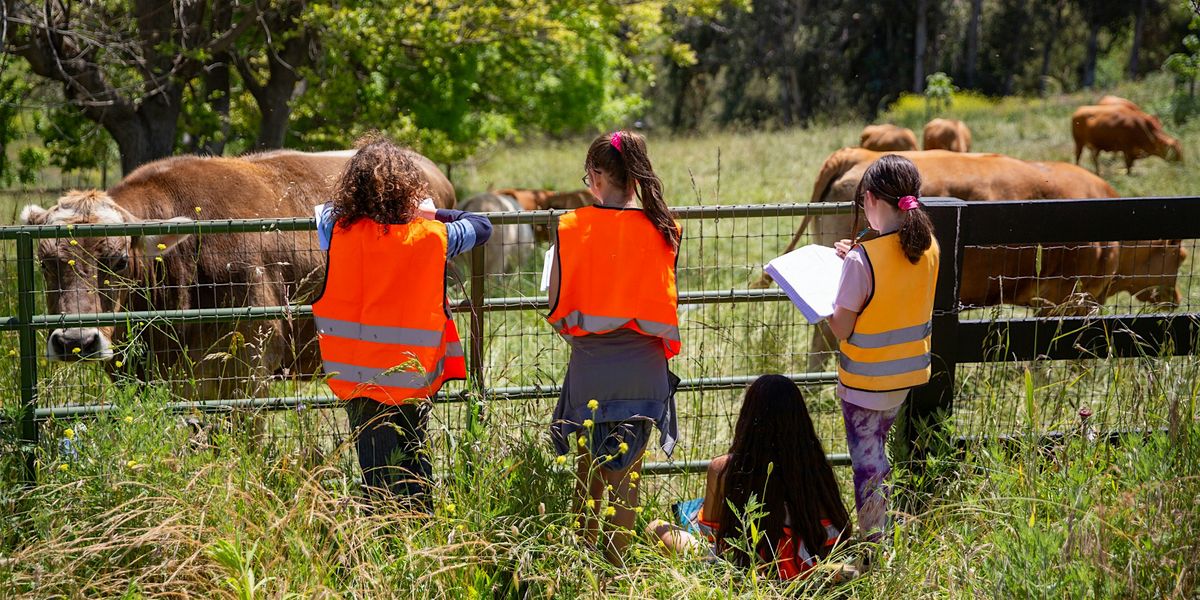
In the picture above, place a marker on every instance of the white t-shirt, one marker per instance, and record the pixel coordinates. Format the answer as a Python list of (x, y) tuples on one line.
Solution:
[(854, 288)]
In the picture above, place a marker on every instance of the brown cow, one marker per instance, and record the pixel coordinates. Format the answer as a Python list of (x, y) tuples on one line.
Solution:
[(547, 199), (1069, 273), (947, 134), (886, 137), (1116, 128), (1118, 101), (164, 272)]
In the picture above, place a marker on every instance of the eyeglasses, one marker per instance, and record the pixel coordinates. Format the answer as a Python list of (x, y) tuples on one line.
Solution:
[(587, 178)]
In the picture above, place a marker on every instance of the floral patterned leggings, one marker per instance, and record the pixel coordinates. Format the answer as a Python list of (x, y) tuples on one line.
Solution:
[(866, 435)]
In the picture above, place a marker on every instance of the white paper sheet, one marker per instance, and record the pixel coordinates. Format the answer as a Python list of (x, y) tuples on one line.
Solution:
[(810, 277), (547, 265)]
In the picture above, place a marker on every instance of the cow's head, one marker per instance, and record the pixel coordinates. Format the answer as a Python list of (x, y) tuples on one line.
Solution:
[(1168, 147), (90, 274)]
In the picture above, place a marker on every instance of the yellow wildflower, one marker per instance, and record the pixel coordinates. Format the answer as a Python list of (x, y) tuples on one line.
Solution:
[(609, 511), (623, 448), (158, 258), (582, 441), (76, 350), (128, 419), (607, 457), (71, 263), (12, 352), (69, 433), (131, 463), (161, 246), (107, 282), (450, 508), (74, 243), (593, 405), (197, 210), (591, 503), (587, 423), (63, 467), (560, 459), (634, 476), (118, 364), (637, 510)]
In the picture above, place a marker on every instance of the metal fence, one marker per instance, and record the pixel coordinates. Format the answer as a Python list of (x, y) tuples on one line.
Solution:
[(997, 369)]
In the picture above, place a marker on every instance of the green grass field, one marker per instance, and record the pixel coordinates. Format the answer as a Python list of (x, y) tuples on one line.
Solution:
[(132, 506)]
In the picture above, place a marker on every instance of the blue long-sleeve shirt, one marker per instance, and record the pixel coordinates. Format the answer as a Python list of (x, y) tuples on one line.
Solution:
[(464, 230)]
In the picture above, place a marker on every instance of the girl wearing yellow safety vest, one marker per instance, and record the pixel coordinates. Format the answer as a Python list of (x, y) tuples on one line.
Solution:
[(613, 298), (882, 317), (384, 327)]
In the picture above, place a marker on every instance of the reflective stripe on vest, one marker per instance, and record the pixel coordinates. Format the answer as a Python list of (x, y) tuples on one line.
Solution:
[(382, 321), (616, 271), (598, 324), (889, 347)]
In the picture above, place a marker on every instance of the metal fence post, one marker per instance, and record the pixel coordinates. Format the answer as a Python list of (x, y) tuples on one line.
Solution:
[(475, 345), (932, 405), (27, 338)]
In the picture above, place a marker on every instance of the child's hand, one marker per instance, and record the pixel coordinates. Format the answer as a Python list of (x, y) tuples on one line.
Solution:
[(842, 247), (426, 209)]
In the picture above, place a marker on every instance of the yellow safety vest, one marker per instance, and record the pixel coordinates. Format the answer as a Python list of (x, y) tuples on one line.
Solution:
[(889, 348)]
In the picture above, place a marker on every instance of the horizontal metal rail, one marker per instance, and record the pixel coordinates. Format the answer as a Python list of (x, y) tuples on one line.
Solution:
[(503, 393), (259, 313), (217, 226)]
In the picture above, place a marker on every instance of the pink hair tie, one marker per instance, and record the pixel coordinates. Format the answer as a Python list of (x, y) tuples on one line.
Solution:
[(909, 203), (615, 140)]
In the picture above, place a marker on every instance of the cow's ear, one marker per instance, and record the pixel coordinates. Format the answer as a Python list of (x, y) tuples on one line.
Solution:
[(34, 215), (157, 245)]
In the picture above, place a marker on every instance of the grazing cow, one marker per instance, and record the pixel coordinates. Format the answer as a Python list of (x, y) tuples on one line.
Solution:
[(166, 272), (947, 134), (1070, 274), (887, 137), (547, 199), (510, 245), (1116, 128)]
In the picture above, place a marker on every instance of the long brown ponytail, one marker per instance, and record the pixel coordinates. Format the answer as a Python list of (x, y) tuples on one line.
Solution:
[(622, 156), (889, 179)]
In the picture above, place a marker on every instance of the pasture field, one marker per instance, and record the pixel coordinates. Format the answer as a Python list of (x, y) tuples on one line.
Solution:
[(135, 504)]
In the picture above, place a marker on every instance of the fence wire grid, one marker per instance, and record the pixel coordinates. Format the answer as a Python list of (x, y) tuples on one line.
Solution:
[(732, 331)]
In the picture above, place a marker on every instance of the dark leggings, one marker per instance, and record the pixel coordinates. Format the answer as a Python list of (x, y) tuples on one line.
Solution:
[(391, 448)]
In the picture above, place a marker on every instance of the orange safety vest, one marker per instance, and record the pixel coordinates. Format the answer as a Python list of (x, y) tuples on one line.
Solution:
[(889, 347), (615, 272), (791, 564), (383, 320)]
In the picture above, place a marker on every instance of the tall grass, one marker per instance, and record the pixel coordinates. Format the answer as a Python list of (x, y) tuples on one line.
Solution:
[(138, 503)]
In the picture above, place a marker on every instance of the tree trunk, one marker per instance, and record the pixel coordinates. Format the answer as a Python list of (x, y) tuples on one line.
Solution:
[(150, 134), (1048, 47), (1139, 25), (973, 42), (918, 84), (1088, 78)]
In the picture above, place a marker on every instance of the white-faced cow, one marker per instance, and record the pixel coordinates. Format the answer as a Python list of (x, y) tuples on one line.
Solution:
[(166, 272)]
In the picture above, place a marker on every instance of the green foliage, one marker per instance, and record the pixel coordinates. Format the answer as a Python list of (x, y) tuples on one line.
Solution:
[(452, 78), (1185, 67), (939, 93), (73, 141), (15, 90)]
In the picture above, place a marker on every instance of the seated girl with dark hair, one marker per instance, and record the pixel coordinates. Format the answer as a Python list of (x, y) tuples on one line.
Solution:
[(776, 457)]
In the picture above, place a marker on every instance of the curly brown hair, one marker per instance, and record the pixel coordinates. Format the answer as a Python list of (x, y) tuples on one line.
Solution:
[(381, 182)]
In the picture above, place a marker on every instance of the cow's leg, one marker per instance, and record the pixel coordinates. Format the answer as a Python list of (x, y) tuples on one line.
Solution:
[(1128, 163), (1078, 150), (1096, 159)]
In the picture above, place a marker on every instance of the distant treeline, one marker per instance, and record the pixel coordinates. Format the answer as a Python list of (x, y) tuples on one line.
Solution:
[(786, 62)]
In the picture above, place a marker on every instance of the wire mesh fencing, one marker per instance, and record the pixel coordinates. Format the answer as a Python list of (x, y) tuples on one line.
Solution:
[(213, 316)]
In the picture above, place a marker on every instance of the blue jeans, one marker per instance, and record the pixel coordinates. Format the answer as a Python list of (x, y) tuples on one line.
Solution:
[(391, 449)]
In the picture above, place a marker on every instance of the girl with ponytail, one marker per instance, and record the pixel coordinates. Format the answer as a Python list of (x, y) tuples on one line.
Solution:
[(613, 299), (882, 315)]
